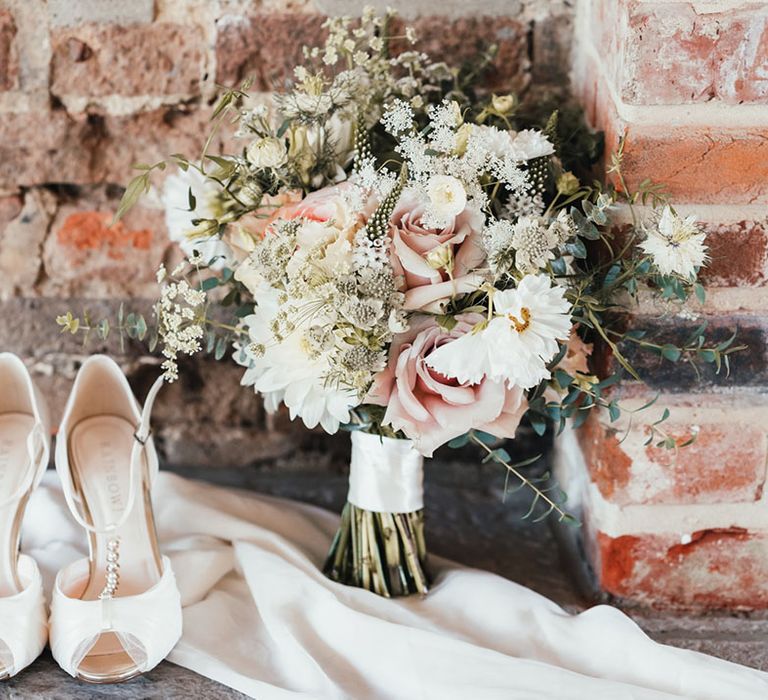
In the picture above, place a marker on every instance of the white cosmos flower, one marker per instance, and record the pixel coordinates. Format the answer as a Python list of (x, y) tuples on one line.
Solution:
[(179, 219), (286, 372), (675, 244), (518, 342), (447, 197)]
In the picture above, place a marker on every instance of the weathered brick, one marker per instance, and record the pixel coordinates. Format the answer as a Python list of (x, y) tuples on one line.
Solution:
[(23, 227), (98, 60), (717, 568), (671, 53), (705, 165), (698, 164), (725, 463), (738, 254), (9, 56), (266, 47), (464, 39), (748, 367), (86, 257), (52, 147)]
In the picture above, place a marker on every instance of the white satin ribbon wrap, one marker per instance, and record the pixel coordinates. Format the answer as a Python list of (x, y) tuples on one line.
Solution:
[(23, 624), (385, 475), (147, 624)]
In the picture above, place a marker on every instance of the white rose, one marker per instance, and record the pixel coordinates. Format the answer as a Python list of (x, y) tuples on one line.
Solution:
[(446, 196), (267, 153)]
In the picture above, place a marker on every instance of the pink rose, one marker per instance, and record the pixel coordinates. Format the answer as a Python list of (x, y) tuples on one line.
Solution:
[(432, 409), (427, 288)]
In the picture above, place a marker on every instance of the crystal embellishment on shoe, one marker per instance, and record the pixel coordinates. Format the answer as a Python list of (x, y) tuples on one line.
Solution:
[(113, 570)]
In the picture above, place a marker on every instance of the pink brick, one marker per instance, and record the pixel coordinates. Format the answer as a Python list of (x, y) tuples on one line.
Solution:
[(668, 53), (108, 59)]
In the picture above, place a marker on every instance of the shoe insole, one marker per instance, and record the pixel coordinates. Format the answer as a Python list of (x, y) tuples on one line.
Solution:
[(14, 469), (100, 455)]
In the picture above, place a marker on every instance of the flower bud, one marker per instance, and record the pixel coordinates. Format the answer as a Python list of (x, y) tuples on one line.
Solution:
[(567, 183), (503, 104)]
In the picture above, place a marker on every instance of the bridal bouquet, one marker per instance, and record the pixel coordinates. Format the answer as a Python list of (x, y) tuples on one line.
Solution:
[(403, 257)]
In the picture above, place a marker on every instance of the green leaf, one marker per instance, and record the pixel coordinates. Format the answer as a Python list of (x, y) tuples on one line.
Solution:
[(670, 352), (136, 187), (701, 295), (191, 199), (221, 347), (458, 442)]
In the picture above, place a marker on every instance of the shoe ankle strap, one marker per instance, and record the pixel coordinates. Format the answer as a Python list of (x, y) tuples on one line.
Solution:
[(141, 436)]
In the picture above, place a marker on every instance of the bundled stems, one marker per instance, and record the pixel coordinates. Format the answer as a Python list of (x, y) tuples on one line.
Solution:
[(381, 552)]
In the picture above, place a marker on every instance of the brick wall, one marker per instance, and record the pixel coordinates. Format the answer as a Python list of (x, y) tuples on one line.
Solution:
[(90, 87), (688, 84)]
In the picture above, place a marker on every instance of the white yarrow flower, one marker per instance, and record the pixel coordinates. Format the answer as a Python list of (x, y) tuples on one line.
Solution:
[(675, 244), (517, 343)]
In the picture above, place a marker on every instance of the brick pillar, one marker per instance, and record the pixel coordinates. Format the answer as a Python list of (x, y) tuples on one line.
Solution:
[(687, 82)]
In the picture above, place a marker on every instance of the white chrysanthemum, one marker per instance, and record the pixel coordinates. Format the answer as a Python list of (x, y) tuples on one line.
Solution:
[(179, 219), (676, 245), (530, 143), (289, 372), (519, 341)]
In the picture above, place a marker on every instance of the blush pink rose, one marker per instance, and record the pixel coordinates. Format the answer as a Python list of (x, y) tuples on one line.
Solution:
[(432, 409), (428, 289)]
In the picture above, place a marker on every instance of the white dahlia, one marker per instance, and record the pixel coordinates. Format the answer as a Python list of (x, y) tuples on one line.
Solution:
[(289, 371)]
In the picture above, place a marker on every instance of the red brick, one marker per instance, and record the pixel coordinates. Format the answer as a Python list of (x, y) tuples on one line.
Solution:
[(719, 568), (461, 40), (9, 57), (96, 60), (85, 257), (667, 53), (700, 165), (706, 165), (725, 463), (50, 147), (738, 254), (267, 46)]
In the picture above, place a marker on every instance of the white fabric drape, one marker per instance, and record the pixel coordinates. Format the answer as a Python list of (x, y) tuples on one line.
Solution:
[(260, 617)]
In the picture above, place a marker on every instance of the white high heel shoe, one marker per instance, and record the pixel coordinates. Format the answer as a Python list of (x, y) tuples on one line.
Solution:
[(24, 453), (116, 614)]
